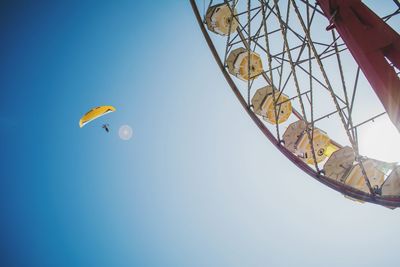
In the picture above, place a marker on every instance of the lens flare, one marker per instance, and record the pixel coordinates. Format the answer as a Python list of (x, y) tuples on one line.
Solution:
[(125, 132)]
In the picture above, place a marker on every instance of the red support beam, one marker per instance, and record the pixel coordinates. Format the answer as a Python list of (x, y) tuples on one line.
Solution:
[(372, 43)]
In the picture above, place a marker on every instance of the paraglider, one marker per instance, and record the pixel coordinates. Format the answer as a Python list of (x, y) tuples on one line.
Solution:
[(125, 132), (95, 113)]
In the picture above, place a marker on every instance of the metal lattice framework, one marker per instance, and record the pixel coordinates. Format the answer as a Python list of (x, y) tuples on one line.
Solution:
[(309, 63)]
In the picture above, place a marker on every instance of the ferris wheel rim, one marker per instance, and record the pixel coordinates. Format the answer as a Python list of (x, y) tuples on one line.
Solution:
[(388, 201)]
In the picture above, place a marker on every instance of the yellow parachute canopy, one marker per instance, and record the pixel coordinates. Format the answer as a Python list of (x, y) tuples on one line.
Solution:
[(95, 113)]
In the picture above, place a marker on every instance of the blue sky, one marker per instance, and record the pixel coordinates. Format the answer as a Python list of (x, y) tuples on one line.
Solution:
[(197, 185)]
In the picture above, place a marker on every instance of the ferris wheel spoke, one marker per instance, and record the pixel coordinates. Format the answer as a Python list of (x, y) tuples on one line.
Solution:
[(286, 26), (259, 37), (388, 17), (314, 7), (339, 62), (350, 110), (330, 53), (310, 135), (328, 115), (228, 47), (270, 69), (327, 53), (316, 79), (249, 19), (351, 139), (325, 76), (245, 12), (368, 120)]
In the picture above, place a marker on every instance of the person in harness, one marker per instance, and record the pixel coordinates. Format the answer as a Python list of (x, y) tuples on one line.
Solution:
[(106, 127)]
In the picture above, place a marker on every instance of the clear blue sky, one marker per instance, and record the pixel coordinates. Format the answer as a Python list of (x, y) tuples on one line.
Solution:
[(197, 185)]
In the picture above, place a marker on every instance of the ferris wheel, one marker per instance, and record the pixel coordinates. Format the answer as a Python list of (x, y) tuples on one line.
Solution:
[(315, 77)]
